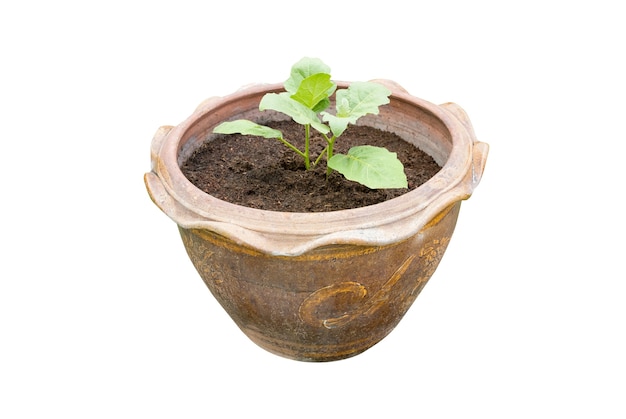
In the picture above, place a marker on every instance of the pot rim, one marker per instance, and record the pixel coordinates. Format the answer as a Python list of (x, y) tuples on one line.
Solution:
[(293, 233)]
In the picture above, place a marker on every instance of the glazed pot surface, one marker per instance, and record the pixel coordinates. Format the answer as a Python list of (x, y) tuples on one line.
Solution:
[(327, 304)]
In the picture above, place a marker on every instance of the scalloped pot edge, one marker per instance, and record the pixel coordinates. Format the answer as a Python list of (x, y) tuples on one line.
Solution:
[(443, 131)]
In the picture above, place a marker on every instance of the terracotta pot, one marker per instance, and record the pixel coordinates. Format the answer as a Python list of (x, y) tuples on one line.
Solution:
[(319, 286)]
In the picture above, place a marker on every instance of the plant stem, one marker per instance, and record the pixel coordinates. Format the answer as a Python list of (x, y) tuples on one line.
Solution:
[(320, 156), (292, 147), (329, 153), (307, 159)]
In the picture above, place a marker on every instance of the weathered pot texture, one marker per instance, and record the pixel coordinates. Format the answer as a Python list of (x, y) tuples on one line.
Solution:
[(319, 286)]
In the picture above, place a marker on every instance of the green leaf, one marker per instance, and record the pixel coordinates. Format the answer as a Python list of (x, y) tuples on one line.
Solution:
[(321, 105), (302, 69), (362, 98), (359, 99), (337, 125), (374, 167), (313, 90), (282, 102), (245, 127)]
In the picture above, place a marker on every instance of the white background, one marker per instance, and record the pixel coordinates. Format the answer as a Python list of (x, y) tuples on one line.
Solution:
[(103, 316)]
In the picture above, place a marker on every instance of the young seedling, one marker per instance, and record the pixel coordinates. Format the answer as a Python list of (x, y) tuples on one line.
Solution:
[(306, 98)]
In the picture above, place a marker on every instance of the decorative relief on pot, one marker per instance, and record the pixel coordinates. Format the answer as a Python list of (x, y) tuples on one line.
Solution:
[(338, 304), (330, 308), (333, 304), (431, 254)]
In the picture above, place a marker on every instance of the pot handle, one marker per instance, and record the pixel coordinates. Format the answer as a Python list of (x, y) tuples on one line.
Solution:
[(162, 198), (157, 191), (154, 184), (480, 150), (157, 142)]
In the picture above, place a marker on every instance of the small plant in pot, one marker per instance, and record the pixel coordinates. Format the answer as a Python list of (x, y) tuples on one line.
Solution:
[(319, 285), (308, 92)]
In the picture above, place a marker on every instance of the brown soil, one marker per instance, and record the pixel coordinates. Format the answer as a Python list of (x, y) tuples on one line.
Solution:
[(262, 173)]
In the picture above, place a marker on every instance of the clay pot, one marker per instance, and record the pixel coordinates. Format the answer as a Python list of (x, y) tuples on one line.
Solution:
[(319, 286)]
